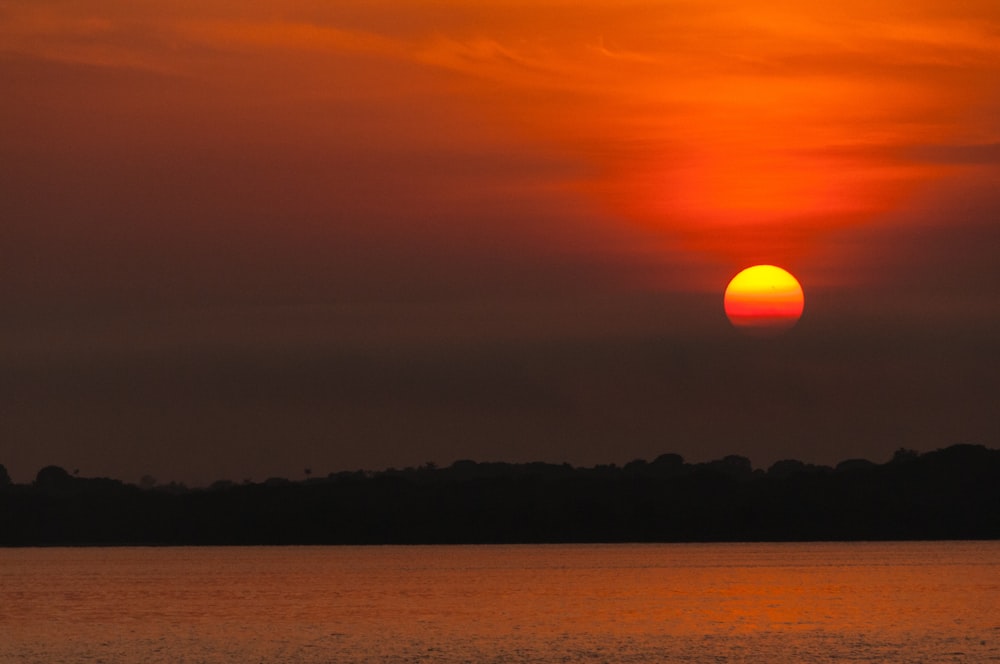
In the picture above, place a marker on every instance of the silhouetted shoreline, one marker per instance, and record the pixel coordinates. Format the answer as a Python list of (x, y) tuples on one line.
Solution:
[(952, 493)]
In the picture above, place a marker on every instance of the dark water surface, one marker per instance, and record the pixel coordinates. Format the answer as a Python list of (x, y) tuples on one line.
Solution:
[(858, 602)]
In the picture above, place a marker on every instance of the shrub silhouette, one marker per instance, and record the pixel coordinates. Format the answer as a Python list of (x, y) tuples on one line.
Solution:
[(953, 493), (53, 479)]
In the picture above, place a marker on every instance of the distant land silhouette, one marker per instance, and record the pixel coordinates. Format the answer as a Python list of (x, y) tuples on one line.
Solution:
[(951, 493)]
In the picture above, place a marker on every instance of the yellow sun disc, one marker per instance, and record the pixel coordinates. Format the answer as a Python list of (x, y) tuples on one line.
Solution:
[(764, 299)]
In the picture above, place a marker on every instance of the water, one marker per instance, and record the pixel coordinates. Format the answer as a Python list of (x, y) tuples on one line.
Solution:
[(860, 602)]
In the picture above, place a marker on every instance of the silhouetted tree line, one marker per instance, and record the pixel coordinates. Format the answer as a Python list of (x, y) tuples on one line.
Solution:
[(952, 493)]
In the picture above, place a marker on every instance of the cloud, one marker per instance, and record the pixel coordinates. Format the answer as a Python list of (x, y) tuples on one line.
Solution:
[(694, 124), (987, 154), (260, 37)]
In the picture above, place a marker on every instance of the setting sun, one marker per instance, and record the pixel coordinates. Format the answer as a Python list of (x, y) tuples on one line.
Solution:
[(764, 299)]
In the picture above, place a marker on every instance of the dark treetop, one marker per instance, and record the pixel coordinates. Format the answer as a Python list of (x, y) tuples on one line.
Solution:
[(953, 493)]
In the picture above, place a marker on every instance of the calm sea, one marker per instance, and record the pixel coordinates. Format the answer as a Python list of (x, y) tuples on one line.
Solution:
[(862, 602)]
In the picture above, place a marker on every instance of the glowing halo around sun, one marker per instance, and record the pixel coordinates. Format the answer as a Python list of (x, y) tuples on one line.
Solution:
[(764, 300)]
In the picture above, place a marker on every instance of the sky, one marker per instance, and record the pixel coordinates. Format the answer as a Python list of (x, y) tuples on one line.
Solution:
[(243, 239)]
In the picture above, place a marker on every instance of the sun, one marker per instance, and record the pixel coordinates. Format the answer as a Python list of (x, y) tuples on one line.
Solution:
[(764, 300)]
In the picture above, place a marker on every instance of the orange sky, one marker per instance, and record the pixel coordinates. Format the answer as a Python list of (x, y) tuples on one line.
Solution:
[(395, 174), (741, 131)]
